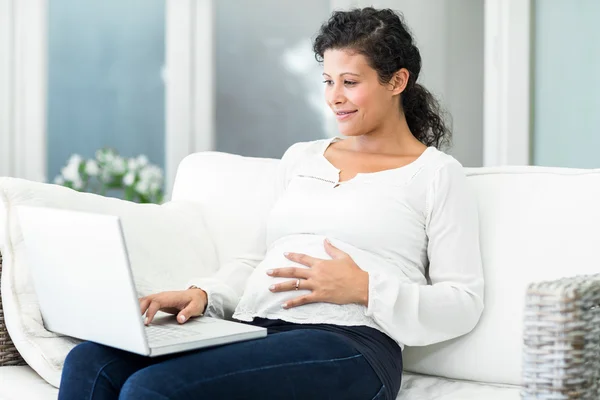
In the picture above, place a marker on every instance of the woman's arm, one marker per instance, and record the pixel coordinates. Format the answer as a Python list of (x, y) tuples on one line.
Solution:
[(451, 306), (225, 288)]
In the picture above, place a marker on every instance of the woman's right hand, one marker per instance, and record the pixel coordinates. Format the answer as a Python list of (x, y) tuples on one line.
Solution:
[(185, 303)]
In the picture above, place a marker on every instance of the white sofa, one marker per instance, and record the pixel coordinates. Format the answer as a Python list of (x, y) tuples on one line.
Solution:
[(537, 224)]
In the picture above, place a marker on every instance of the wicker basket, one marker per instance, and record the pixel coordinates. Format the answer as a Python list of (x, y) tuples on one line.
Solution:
[(561, 348), (8, 352)]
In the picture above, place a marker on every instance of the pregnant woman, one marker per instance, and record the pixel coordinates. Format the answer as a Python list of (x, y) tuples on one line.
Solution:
[(372, 244)]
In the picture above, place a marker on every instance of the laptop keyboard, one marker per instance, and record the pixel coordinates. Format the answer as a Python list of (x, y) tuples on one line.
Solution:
[(157, 333)]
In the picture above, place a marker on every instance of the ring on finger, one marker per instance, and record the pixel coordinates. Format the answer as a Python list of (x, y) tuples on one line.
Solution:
[(297, 283)]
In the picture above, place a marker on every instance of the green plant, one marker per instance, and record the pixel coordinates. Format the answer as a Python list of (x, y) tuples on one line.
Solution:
[(138, 180)]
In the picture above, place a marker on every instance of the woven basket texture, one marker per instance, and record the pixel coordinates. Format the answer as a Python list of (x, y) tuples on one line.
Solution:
[(8, 352), (561, 347)]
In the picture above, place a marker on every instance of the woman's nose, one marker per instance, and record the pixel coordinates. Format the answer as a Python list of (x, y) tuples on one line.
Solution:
[(336, 95)]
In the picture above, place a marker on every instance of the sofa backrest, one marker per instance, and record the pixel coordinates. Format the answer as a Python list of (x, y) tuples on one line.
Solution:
[(536, 224), (236, 193)]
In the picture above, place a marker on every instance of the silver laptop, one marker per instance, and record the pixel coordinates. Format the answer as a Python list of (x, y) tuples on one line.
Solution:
[(85, 288)]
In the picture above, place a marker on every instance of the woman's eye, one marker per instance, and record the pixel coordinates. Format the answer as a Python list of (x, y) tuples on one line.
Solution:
[(329, 82)]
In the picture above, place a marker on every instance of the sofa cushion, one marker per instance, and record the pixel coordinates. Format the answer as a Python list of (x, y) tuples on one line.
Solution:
[(423, 387), (167, 245), (536, 224), (18, 383)]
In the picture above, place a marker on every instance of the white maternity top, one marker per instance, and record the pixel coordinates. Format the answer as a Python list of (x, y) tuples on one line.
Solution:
[(414, 229)]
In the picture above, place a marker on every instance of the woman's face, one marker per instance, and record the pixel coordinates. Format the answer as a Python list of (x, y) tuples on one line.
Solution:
[(361, 104)]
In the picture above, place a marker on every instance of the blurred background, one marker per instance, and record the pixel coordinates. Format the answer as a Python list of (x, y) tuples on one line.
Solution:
[(165, 78)]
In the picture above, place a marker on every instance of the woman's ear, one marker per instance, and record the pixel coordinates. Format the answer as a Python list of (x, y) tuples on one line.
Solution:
[(399, 81)]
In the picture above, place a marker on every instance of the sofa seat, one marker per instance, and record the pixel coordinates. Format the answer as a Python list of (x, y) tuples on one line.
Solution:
[(424, 387), (18, 383)]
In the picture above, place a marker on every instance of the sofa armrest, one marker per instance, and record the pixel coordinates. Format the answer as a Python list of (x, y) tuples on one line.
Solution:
[(8, 352), (561, 340)]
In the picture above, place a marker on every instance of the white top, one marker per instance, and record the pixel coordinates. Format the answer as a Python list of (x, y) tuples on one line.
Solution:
[(414, 229)]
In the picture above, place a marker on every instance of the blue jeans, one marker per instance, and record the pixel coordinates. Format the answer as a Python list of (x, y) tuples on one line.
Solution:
[(298, 364)]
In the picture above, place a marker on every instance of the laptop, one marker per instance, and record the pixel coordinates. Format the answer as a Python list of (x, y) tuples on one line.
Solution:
[(83, 280)]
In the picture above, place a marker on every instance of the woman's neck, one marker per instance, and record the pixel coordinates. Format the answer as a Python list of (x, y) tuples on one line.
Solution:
[(394, 138)]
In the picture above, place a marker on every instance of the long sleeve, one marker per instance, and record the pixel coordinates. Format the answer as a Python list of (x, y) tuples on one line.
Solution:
[(452, 304), (226, 286)]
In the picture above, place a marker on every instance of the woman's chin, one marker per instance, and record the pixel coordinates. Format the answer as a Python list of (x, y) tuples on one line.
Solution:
[(346, 130)]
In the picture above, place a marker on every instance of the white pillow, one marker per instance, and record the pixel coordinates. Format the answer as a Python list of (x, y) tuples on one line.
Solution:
[(167, 244)]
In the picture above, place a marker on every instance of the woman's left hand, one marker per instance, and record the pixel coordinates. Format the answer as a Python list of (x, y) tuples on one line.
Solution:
[(338, 281)]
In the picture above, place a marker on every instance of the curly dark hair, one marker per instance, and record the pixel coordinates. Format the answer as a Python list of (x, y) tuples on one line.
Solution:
[(384, 39)]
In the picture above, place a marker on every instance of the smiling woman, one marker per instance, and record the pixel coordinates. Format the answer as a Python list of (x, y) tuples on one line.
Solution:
[(369, 75), (349, 273)]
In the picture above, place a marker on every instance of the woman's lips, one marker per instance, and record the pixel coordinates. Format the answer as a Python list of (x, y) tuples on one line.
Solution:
[(344, 115)]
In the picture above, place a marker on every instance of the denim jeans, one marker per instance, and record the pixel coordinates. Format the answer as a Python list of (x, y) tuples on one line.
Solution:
[(298, 364)]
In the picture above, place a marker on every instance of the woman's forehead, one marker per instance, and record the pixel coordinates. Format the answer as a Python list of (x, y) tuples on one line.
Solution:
[(344, 61)]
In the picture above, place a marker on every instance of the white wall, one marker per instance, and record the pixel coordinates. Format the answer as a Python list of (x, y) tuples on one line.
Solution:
[(450, 36)]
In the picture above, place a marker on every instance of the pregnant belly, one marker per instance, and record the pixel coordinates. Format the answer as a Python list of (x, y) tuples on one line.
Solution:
[(259, 300)]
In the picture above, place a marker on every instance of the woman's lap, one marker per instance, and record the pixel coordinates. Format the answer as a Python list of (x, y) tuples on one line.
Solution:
[(295, 364)]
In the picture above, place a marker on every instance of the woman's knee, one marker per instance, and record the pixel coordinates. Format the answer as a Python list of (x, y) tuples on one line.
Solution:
[(82, 369), (86, 355), (145, 384)]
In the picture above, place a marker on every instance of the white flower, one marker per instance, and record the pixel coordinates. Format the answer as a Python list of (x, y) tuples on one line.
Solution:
[(132, 164), (105, 156), (142, 160), (105, 175), (142, 188), (154, 187), (91, 168), (113, 171), (70, 172), (118, 165), (129, 178), (75, 159), (78, 184), (151, 173)]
